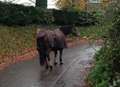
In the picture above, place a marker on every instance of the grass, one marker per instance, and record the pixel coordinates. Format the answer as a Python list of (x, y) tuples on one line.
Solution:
[(13, 40), (94, 32)]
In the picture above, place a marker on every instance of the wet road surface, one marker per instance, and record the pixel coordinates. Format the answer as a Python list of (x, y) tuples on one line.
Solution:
[(77, 62)]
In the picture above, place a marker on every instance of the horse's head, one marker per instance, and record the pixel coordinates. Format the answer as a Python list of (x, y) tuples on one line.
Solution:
[(69, 29)]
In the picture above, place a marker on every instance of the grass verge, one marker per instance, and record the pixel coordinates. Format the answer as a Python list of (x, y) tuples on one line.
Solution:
[(13, 40), (94, 32)]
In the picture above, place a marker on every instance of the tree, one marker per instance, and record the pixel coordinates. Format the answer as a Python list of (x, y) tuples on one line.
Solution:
[(41, 3), (64, 4), (71, 4), (111, 10)]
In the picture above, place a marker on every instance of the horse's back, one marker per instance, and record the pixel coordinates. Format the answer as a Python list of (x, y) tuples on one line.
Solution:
[(54, 39), (59, 39)]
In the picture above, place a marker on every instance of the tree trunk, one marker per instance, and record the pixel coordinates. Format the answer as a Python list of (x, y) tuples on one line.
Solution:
[(41, 3)]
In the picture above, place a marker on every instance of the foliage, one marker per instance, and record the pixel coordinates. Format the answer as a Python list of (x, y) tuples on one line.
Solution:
[(94, 32), (111, 10), (79, 5), (99, 17), (64, 17), (64, 4), (100, 75), (85, 19), (72, 17), (41, 3), (12, 14), (106, 72)]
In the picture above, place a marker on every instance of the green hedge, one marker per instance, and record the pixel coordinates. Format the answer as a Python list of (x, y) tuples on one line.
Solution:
[(72, 17), (64, 17), (106, 72), (13, 14)]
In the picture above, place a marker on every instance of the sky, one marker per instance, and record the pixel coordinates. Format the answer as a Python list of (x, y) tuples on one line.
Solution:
[(51, 3)]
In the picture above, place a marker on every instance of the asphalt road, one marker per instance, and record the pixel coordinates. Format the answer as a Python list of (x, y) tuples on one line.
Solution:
[(77, 62)]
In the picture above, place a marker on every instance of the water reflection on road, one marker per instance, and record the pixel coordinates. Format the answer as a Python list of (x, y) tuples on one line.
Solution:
[(71, 74)]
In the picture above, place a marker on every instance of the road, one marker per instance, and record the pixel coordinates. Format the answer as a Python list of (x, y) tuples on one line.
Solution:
[(77, 62)]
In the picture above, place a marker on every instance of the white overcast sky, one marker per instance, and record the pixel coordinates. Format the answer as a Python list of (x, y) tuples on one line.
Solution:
[(51, 3)]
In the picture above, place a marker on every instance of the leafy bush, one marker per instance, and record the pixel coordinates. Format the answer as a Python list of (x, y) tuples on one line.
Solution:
[(99, 17), (12, 14), (99, 76), (111, 10), (73, 17), (64, 17), (106, 72), (85, 18)]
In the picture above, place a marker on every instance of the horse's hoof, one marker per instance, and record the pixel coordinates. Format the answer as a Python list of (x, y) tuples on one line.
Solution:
[(51, 68), (55, 63), (61, 63), (47, 67)]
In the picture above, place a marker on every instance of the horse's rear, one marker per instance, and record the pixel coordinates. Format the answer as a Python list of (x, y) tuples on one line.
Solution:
[(59, 40), (56, 43), (50, 41)]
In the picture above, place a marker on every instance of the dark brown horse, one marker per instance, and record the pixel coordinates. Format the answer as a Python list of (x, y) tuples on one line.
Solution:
[(52, 41)]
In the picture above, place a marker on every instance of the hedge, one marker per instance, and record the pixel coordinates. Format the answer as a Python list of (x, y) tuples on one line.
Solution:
[(106, 72), (13, 14)]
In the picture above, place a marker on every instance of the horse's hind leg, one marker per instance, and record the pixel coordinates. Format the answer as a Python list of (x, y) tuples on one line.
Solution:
[(55, 55), (50, 60), (61, 52), (47, 66), (47, 61)]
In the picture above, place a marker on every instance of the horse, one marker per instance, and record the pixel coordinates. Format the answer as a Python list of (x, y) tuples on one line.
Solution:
[(52, 41)]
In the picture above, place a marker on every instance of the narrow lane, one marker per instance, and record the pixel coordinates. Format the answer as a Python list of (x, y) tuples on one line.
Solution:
[(29, 73), (76, 75)]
